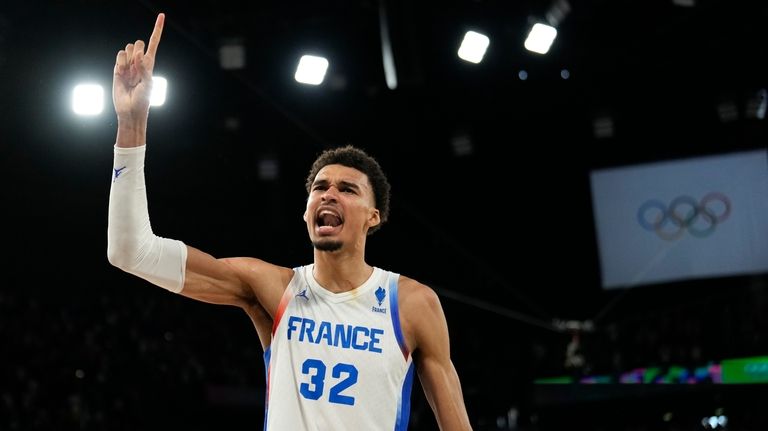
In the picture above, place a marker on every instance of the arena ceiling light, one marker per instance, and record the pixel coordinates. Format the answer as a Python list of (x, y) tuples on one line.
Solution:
[(473, 47), (311, 70), (540, 38), (159, 90), (232, 54), (88, 99)]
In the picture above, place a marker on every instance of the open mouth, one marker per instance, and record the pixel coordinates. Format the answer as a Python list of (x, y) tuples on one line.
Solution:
[(328, 221)]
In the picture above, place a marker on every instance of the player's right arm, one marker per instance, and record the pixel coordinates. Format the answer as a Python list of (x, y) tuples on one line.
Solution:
[(132, 245), (239, 281)]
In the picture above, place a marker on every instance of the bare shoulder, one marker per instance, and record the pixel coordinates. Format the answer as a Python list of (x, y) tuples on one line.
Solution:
[(415, 295), (420, 311)]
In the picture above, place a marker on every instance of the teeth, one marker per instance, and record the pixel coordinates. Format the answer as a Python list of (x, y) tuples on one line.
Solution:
[(328, 217)]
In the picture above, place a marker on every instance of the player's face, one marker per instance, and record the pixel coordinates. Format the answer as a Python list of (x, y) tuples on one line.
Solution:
[(340, 208)]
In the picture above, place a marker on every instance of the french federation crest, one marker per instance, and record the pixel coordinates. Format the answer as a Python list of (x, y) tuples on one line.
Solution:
[(380, 295)]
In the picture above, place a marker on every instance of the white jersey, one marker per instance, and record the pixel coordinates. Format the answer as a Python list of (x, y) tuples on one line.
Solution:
[(338, 361)]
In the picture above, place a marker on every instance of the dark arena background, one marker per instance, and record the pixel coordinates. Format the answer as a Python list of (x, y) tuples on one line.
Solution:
[(593, 218)]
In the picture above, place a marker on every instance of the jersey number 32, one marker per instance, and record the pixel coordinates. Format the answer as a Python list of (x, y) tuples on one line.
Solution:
[(346, 374)]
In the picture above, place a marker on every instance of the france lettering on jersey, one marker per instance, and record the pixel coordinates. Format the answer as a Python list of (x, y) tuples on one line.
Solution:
[(338, 361)]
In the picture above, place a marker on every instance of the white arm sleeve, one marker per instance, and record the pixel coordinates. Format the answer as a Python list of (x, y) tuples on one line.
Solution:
[(131, 245)]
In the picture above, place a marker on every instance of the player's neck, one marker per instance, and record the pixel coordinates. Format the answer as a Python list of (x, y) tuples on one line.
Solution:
[(338, 272)]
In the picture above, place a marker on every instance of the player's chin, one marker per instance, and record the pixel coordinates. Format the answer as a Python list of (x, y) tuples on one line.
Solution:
[(327, 244)]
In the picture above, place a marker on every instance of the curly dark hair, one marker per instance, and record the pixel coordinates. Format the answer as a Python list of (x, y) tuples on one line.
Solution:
[(353, 157)]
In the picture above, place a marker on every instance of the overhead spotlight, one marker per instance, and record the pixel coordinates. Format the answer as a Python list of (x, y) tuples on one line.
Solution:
[(558, 12), (512, 416), (684, 3), (387, 57), (232, 123), (473, 47), (268, 168), (88, 99), (311, 70), (159, 90), (540, 38), (462, 144), (727, 111), (757, 104), (714, 422), (602, 127), (722, 420), (232, 54)]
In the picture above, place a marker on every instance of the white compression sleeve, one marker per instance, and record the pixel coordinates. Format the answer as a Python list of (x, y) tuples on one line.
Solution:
[(131, 245)]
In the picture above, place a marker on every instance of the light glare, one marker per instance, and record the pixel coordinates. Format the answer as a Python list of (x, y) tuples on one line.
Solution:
[(540, 38), (88, 99), (473, 47), (311, 70), (159, 89)]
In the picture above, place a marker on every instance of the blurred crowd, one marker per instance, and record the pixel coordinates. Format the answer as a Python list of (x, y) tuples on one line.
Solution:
[(137, 357)]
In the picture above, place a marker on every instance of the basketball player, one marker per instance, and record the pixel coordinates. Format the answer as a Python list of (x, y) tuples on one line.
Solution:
[(341, 337)]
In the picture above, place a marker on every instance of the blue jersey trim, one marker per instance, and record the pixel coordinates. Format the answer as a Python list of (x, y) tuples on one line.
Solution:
[(395, 314), (404, 404), (267, 356)]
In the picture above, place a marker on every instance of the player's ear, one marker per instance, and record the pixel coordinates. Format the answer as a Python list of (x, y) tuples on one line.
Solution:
[(374, 219)]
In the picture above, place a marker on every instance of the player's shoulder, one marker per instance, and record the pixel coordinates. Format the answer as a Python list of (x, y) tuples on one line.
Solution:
[(420, 311), (413, 293)]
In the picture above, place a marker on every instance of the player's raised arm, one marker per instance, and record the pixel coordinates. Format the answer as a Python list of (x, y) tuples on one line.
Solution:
[(132, 245), (132, 87)]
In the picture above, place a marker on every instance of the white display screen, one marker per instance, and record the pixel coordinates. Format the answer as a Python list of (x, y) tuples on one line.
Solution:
[(674, 220)]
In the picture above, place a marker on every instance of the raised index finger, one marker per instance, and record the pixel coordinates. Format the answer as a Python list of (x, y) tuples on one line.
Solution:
[(154, 40)]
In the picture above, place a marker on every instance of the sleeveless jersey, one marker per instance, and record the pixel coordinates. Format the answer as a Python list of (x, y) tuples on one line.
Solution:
[(338, 361)]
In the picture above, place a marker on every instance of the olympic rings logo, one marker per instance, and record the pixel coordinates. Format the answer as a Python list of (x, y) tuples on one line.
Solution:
[(684, 214)]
